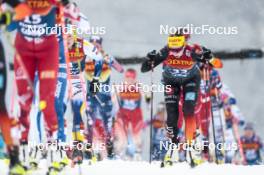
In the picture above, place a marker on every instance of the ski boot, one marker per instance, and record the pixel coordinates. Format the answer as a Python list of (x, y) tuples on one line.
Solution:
[(110, 148), (15, 167), (91, 156), (77, 154), (54, 154), (33, 154), (64, 162), (54, 169), (194, 152), (171, 154), (56, 165)]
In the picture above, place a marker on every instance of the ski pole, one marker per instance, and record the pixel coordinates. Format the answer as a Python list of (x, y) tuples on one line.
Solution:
[(240, 147), (102, 104), (213, 120), (151, 112), (221, 119), (206, 77)]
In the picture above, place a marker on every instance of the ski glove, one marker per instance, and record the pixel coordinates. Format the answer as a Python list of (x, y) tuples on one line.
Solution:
[(151, 55), (207, 54), (94, 86), (5, 18), (154, 57)]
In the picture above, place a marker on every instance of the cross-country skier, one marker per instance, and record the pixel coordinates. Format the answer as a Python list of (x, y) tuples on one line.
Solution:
[(233, 116), (182, 74), (74, 17), (81, 52), (252, 146), (210, 97), (71, 16), (159, 132), (100, 106), (129, 120), (37, 51)]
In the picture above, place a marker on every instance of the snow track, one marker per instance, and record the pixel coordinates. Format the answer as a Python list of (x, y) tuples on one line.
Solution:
[(119, 167)]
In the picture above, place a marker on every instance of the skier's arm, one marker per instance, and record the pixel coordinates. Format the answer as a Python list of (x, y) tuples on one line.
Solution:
[(92, 54), (114, 63), (155, 58), (205, 56)]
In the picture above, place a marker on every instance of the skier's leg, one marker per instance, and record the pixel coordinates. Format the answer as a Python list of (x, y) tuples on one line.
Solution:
[(137, 125), (190, 91), (172, 98), (60, 95), (5, 122), (205, 118), (48, 60), (5, 127), (172, 106), (77, 119), (24, 68), (107, 116), (121, 126), (24, 74)]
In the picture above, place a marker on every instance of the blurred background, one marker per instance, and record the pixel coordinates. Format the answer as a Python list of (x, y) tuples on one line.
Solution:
[(133, 29)]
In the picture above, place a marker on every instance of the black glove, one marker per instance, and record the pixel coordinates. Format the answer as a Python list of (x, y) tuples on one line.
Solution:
[(65, 2), (207, 54), (5, 18), (148, 98), (151, 55), (94, 86)]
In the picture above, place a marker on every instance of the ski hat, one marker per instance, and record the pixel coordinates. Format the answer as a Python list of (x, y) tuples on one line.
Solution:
[(249, 126), (97, 39), (178, 39), (72, 13), (131, 73), (75, 19)]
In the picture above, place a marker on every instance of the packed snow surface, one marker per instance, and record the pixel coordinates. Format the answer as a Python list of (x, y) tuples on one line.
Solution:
[(118, 167)]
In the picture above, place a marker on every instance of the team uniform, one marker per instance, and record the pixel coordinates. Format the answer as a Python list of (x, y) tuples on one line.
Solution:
[(252, 148), (45, 62), (73, 15), (159, 136), (232, 114), (183, 75), (96, 111), (129, 121), (83, 51)]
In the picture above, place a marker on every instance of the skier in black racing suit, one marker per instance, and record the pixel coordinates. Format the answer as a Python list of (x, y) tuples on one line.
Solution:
[(181, 74)]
